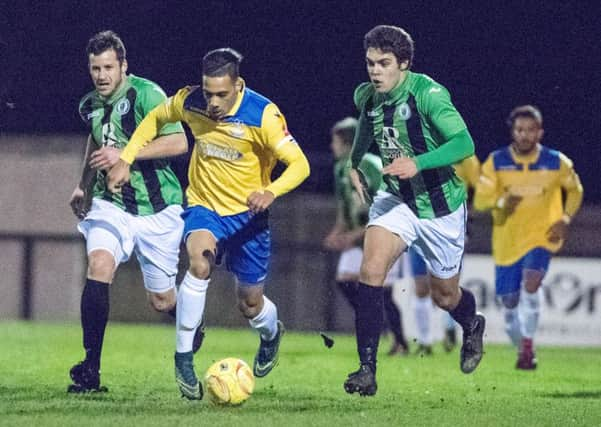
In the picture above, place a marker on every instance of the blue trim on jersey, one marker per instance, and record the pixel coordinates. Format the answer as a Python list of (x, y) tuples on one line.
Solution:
[(195, 101), (503, 160), (418, 265), (508, 278), (245, 239), (250, 112), (547, 160)]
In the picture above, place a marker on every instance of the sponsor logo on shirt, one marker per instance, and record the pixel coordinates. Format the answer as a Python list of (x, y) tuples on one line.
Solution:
[(208, 149), (372, 113)]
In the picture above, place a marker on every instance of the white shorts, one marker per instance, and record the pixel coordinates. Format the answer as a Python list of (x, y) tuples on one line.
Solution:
[(350, 264), (154, 238), (440, 241)]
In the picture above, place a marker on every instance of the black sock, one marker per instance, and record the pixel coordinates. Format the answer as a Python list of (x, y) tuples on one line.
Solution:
[(465, 311), (393, 317), (94, 316), (369, 316), (349, 290)]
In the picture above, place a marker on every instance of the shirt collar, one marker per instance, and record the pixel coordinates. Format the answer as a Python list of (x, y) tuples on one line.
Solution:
[(399, 90), (119, 92)]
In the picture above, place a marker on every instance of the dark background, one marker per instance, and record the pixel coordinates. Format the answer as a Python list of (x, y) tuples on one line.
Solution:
[(308, 57)]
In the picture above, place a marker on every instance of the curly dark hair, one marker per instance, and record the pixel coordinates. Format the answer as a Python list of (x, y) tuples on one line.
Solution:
[(389, 38)]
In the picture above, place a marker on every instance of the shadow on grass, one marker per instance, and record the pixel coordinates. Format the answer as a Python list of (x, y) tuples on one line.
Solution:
[(582, 394)]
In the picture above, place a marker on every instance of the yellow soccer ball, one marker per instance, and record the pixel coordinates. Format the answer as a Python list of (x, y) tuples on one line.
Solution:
[(229, 382)]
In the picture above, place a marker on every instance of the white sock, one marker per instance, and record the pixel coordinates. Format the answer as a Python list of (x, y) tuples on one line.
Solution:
[(190, 309), (512, 325), (266, 322), (423, 313), (528, 311)]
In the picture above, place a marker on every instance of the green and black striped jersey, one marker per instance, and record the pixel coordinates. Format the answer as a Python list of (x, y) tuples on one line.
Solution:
[(415, 117), (153, 184)]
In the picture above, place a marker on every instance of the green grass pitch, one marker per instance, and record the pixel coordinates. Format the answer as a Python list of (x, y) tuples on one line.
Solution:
[(304, 390)]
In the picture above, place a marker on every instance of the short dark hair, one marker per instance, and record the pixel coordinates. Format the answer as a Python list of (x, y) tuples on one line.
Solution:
[(104, 41), (220, 62), (529, 111), (345, 129), (389, 38)]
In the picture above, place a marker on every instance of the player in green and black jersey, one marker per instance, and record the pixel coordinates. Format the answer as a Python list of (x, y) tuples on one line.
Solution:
[(420, 135), (347, 234), (144, 218)]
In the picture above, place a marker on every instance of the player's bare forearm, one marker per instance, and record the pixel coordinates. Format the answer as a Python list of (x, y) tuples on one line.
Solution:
[(164, 146), (87, 172), (357, 184)]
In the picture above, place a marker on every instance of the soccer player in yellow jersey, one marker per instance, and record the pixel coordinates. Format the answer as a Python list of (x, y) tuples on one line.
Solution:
[(239, 135), (522, 184)]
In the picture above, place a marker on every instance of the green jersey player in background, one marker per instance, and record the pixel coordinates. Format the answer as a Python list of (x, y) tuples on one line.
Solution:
[(420, 135), (346, 236), (144, 218)]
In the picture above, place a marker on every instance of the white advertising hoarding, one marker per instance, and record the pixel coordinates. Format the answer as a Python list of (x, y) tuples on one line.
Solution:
[(570, 296)]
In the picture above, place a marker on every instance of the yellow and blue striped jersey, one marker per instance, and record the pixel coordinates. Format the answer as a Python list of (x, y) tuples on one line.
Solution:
[(232, 157), (539, 178)]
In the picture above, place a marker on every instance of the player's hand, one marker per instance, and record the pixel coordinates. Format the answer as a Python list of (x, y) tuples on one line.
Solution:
[(403, 167), (79, 203), (558, 231), (259, 201), (332, 241), (346, 241), (510, 202), (117, 176), (104, 158), (357, 184)]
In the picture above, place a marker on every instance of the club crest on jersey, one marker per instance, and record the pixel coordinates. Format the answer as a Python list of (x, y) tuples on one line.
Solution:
[(404, 111), (122, 106), (237, 131)]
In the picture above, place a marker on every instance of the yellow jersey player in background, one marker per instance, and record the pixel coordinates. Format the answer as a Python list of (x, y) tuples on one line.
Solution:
[(239, 136), (522, 185)]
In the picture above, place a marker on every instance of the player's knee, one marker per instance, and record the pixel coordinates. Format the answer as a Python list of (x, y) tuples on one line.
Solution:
[(373, 272), (510, 300), (248, 309), (531, 284), (446, 298), (162, 302), (101, 266), (202, 263)]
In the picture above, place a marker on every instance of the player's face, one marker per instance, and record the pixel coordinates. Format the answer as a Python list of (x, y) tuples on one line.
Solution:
[(526, 134), (220, 93), (384, 70), (339, 147), (106, 72)]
